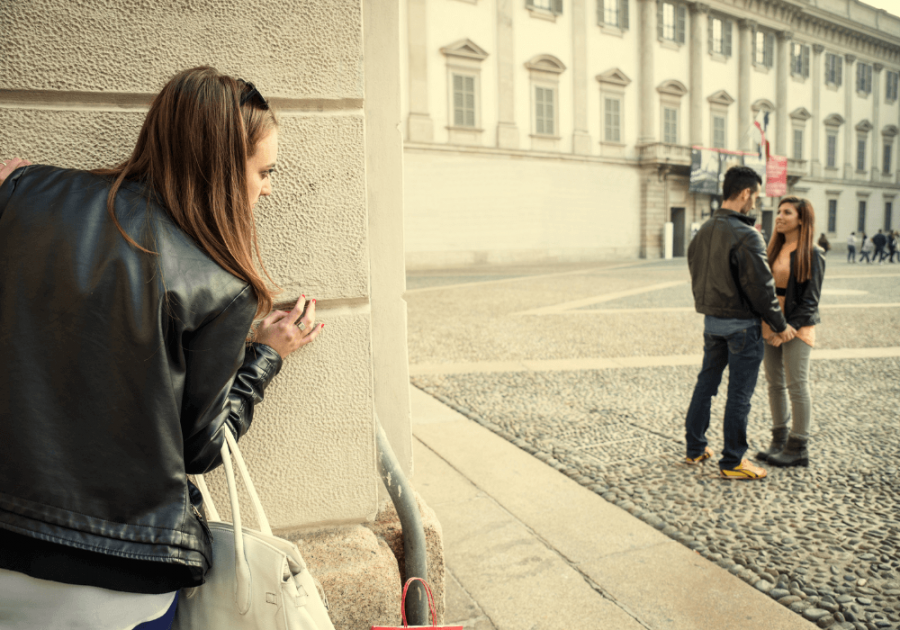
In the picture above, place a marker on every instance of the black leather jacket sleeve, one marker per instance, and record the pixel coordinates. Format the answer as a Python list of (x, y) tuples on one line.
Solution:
[(756, 281), (212, 399), (803, 309)]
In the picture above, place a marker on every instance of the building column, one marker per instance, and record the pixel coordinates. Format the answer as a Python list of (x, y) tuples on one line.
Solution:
[(581, 138), (699, 22), (420, 128), (507, 132), (649, 98), (815, 164), (875, 170), (783, 61), (849, 127), (745, 54)]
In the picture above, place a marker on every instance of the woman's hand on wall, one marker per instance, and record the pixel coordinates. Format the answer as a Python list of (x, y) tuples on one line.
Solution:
[(286, 331), (8, 166)]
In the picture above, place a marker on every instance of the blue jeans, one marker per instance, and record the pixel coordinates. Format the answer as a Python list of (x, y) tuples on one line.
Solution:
[(741, 352)]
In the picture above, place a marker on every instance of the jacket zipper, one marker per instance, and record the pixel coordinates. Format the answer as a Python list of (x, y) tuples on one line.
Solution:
[(202, 520)]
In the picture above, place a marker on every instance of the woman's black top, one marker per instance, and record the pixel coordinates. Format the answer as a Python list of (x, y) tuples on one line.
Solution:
[(801, 299), (120, 371)]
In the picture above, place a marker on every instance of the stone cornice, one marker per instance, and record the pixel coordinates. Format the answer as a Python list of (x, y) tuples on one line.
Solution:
[(465, 48), (614, 76), (546, 63), (699, 7), (817, 25)]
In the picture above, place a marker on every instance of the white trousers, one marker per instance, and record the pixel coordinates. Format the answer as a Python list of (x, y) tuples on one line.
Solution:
[(27, 603)]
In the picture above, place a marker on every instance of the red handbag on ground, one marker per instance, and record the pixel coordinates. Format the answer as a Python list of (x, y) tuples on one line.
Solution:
[(431, 607)]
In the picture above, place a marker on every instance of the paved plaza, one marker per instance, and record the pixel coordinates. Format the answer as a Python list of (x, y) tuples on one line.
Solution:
[(590, 368)]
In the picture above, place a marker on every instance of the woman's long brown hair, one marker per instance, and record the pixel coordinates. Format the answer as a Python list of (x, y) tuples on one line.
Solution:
[(192, 151), (807, 215)]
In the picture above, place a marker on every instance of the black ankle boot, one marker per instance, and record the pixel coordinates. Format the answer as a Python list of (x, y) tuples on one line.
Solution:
[(779, 439), (794, 453)]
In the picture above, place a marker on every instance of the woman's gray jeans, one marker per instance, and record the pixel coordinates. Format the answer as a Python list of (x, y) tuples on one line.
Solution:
[(787, 372)]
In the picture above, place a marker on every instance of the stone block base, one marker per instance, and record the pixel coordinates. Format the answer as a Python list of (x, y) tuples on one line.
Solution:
[(361, 567), (387, 527), (358, 572)]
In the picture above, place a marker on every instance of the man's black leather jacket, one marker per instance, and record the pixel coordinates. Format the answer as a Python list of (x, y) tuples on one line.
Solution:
[(120, 370), (801, 299), (730, 276)]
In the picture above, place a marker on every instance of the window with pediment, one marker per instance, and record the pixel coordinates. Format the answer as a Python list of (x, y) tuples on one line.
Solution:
[(464, 58)]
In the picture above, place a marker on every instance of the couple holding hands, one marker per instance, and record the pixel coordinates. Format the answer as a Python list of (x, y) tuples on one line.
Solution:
[(761, 305)]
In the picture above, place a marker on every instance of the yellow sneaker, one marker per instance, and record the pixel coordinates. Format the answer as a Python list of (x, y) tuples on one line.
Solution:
[(706, 454), (745, 470)]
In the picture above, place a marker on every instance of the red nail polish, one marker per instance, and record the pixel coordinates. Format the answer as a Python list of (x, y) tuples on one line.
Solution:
[(314, 299)]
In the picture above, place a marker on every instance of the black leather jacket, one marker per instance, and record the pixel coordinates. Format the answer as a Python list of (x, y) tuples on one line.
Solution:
[(730, 276), (120, 371), (801, 299)]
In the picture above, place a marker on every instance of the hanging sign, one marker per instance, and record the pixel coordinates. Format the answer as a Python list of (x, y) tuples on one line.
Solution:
[(776, 176)]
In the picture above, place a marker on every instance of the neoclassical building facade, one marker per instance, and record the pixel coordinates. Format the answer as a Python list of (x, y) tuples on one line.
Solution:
[(539, 130)]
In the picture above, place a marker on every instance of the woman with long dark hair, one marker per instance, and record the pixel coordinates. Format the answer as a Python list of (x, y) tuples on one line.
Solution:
[(798, 267), (127, 297)]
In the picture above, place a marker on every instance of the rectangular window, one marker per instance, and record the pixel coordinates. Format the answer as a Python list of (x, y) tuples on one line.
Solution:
[(888, 210), (832, 151), (764, 49), (800, 60), (671, 20), (798, 144), (718, 42), (864, 78), (543, 111), (887, 160), (668, 21), (463, 100), (861, 217), (718, 132), (543, 4), (834, 69), (611, 12), (832, 215), (670, 125), (890, 93), (612, 118), (861, 154)]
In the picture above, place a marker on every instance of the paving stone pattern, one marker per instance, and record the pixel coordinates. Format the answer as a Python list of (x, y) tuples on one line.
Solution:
[(823, 540)]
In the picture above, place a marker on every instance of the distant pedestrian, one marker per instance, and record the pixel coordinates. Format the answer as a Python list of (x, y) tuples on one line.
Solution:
[(733, 287), (823, 243), (893, 246), (879, 240), (865, 251), (798, 267), (851, 248)]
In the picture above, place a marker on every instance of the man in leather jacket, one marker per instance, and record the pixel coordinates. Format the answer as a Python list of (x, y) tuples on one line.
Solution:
[(733, 287)]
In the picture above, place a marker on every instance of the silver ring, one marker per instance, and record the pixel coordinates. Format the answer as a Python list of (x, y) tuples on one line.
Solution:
[(300, 325)]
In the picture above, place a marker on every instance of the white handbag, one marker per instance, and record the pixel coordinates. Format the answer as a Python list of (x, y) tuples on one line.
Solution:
[(257, 581)]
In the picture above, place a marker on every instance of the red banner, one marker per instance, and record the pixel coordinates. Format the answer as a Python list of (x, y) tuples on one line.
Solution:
[(776, 176)]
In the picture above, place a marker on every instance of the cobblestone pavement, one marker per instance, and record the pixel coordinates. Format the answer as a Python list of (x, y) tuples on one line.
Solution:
[(822, 540)]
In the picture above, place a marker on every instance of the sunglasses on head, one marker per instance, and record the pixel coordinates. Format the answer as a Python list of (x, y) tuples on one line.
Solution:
[(250, 93)]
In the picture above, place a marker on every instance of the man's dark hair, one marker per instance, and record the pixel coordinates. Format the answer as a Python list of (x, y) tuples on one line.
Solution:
[(737, 178)]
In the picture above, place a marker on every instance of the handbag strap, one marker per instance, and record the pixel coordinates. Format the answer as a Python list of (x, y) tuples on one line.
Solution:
[(200, 482), (431, 606), (241, 566)]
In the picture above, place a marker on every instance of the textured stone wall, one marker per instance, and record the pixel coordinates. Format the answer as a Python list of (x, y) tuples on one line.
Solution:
[(75, 82)]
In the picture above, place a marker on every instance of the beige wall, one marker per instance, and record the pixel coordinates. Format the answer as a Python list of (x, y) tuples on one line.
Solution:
[(464, 208), (75, 81)]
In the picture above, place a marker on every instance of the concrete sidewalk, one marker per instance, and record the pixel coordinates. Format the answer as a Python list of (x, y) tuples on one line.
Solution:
[(528, 548)]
